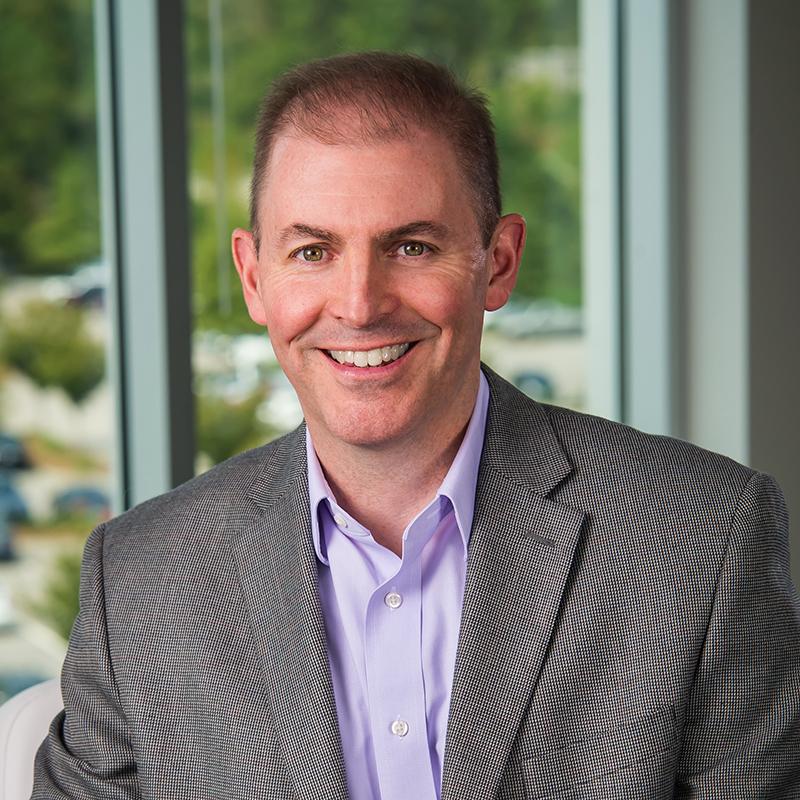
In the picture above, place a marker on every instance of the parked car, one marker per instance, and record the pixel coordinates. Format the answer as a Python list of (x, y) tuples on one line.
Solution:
[(6, 545), (93, 297), (520, 319), (12, 506), (535, 385), (12, 453), (82, 501), (85, 287)]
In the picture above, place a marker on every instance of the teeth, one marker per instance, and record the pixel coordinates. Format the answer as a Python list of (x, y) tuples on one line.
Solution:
[(370, 358)]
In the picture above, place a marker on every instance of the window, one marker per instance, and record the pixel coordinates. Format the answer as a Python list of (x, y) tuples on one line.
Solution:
[(59, 412), (57, 432)]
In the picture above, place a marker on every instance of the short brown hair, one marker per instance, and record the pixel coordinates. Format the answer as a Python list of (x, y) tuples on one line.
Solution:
[(382, 96)]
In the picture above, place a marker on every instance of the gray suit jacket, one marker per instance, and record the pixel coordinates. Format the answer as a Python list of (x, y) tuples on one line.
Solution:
[(629, 630)]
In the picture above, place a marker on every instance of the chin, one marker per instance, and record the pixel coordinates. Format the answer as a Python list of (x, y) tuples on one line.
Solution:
[(367, 430)]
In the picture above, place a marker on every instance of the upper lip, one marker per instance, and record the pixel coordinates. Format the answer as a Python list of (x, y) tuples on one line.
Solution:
[(365, 347)]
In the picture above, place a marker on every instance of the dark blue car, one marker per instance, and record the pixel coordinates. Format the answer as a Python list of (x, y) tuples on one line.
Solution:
[(12, 506), (12, 453), (12, 509), (82, 501)]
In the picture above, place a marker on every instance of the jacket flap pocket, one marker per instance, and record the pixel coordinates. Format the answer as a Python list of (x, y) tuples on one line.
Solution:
[(577, 762)]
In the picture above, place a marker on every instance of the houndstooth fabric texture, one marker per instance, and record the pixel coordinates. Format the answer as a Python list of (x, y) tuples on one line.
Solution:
[(629, 630)]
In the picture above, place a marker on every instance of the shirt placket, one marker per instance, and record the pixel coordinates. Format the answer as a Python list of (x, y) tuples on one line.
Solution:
[(395, 687)]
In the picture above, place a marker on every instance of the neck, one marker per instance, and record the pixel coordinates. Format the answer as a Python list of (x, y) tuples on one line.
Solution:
[(385, 487)]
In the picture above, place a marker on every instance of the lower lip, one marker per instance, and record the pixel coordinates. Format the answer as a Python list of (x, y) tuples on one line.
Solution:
[(369, 372)]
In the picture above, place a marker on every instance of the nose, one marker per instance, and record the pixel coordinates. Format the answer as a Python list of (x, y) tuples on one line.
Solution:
[(362, 292)]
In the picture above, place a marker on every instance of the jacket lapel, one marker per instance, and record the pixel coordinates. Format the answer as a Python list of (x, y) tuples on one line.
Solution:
[(521, 549), (278, 573)]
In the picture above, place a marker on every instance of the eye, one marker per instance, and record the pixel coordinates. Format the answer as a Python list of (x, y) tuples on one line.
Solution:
[(414, 249), (311, 253)]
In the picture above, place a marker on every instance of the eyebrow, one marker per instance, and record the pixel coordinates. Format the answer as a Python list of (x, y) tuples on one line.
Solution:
[(419, 228), (299, 231)]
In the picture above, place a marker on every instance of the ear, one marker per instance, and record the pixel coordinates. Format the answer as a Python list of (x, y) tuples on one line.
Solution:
[(505, 255), (245, 256)]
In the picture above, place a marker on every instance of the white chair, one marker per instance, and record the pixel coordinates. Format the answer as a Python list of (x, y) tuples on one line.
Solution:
[(24, 720)]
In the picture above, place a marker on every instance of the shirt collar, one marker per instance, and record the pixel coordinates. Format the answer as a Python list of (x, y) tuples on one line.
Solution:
[(458, 485)]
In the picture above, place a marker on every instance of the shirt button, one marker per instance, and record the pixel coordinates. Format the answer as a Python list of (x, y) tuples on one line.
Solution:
[(394, 600), (400, 727), (340, 520)]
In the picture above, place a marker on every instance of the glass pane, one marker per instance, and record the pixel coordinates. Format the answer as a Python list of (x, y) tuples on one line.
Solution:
[(56, 407), (524, 55)]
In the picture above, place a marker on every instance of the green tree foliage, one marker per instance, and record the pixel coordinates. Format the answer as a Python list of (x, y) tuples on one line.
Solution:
[(538, 139), (216, 292), (492, 45), (49, 343), (59, 604), (48, 174), (226, 427)]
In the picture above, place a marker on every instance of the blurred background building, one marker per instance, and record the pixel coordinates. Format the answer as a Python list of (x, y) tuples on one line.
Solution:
[(650, 144)]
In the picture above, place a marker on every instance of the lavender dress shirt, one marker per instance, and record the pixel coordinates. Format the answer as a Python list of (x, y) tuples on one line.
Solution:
[(392, 626)]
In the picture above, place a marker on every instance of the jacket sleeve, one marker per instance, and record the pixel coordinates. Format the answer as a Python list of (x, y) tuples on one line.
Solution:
[(742, 733), (88, 751)]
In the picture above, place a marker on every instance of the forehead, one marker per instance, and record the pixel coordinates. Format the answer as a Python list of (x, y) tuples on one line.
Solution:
[(380, 183)]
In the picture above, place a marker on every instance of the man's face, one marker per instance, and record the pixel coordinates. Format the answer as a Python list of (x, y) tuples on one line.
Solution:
[(372, 282)]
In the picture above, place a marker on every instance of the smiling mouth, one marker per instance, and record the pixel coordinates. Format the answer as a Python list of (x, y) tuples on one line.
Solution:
[(376, 357)]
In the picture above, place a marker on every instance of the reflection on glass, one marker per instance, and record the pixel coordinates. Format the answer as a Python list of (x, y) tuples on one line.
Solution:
[(56, 410), (522, 53)]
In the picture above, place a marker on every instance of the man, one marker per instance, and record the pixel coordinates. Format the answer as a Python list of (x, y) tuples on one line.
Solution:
[(436, 587)]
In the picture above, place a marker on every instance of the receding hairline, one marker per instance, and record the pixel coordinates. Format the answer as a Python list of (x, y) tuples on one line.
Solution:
[(382, 96), (356, 136)]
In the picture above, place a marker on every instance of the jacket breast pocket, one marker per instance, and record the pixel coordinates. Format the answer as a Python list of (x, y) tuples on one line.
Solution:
[(634, 760)]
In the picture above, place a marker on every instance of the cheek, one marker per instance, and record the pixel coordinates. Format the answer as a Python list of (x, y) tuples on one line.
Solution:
[(286, 323), (290, 310), (450, 304)]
